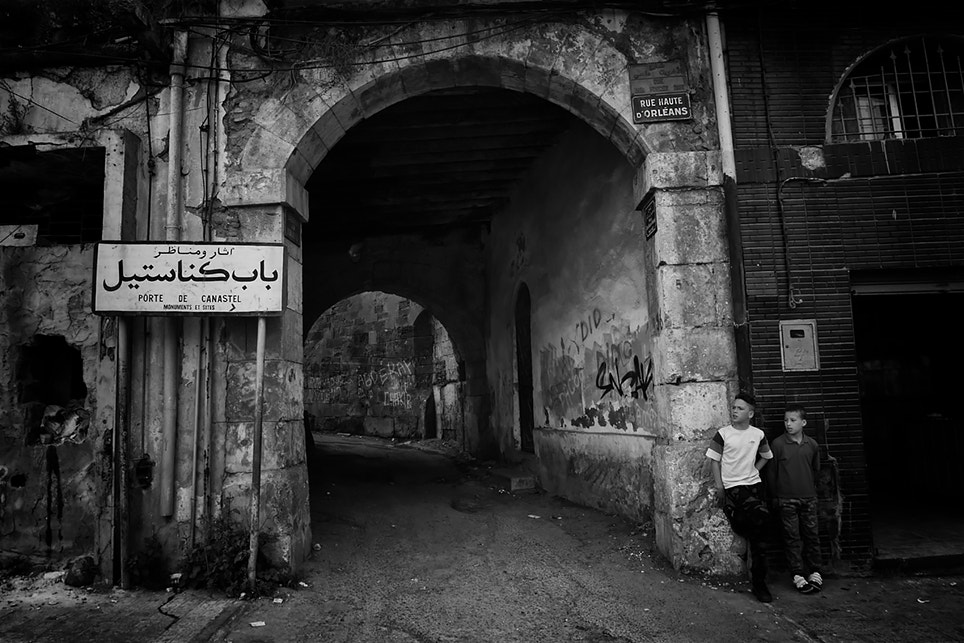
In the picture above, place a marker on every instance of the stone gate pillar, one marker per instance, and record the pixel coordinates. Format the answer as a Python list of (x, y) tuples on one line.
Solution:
[(694, 355), (266, 208)]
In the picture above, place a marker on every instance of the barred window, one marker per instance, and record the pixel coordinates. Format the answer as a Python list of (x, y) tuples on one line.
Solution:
[(911, 88)]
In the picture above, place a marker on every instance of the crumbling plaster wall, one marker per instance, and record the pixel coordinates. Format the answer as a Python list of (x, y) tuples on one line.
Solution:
[(57, 492), (53, 489), (64, 99)]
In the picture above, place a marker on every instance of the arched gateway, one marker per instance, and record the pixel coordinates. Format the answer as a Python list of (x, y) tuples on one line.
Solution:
[(634, 369), (615, 225)]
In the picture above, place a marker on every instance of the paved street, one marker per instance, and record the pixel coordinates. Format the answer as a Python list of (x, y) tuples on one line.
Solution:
[(414, 546)]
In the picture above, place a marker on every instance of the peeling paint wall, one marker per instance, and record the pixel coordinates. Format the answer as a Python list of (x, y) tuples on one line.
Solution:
[(573, 236)]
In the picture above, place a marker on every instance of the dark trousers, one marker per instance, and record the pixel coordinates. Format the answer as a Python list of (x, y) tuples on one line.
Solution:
[(800, 536), (747, 512)]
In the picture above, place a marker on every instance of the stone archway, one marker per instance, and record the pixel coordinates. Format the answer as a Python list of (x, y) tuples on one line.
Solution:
[(279, 133)]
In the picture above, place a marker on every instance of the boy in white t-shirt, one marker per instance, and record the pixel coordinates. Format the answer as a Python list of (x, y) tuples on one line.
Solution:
[(737, 453)]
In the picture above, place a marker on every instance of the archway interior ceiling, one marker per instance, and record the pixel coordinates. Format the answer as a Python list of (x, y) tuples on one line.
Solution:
[(445, 159)]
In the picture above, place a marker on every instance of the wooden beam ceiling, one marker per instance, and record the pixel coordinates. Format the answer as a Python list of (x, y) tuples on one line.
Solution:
[(446, 158)]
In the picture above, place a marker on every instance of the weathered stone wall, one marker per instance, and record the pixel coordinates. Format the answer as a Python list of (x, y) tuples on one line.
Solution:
[(695, 364), (54, 472), (574, 237), (590, 302), (373, 362), (360, 368), (445, 274)]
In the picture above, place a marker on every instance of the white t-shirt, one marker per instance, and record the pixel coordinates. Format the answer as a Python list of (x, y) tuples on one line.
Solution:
[(737, 451)]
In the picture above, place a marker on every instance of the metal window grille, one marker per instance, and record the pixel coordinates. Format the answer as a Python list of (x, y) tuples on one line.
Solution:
[(907, 89)]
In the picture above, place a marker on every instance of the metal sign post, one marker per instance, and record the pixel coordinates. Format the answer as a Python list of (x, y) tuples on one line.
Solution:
[(255, 517)]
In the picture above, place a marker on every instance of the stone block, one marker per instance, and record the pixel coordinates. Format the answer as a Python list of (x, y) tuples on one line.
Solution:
[(414, 79), (295, 284), (691, 227), (283, 388), (694, 295), (328, 129), (262, 149), (694, 355), (265, 187), (691, 530), (283, 514), (440, 73), (275, 116), (475, 70), (682, 169), (283, 338), (560, 90), (512, 75), (383, 427), (348, 110), (627, 140), (292, 344), (619, 102), (260, 224), (380, 93), (691, 412), (282, 445)]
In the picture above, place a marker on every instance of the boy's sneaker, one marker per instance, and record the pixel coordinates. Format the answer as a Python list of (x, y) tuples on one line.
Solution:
[(816, 580), (762, 592), (803, 585)]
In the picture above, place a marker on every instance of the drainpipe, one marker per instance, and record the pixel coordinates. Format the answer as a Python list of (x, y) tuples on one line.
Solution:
[(172, 229), (741, 326)]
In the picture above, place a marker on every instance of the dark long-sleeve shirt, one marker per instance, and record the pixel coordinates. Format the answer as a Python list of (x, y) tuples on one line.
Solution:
[(793, 471)]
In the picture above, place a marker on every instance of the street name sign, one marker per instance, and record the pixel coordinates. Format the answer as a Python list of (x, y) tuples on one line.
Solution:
[(652, 108)]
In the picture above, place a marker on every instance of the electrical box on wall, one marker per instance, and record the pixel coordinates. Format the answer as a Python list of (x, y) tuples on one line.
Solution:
[(798, 345)]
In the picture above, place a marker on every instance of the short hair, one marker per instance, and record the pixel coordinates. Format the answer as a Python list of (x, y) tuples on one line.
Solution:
[(796, 408), (746, 397)]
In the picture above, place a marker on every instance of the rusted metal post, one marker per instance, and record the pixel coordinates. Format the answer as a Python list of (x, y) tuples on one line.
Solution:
[(255, 517), (121, 575)]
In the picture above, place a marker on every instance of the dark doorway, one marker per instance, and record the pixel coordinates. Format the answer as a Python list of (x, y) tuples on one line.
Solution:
[(909, 355), (523, 355), (431, 418)]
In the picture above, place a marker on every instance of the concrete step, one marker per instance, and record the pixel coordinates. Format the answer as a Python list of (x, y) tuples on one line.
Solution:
[(515, 480)]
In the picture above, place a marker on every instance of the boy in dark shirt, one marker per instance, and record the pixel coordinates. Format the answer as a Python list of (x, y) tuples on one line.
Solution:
[(791, 478)]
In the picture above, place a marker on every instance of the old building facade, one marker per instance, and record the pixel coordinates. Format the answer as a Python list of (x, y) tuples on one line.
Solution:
[(498, 165), (849, 162)]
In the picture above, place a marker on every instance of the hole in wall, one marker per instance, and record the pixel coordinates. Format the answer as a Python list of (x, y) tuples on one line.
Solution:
[(51, 391)]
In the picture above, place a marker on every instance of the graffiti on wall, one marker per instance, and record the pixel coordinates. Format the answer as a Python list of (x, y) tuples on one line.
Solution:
[(601, 374), (635, 382), (390, 384), (561, 379)]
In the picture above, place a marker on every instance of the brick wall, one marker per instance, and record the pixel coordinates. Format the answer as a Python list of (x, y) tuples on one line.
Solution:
[(866, 206)]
